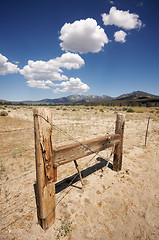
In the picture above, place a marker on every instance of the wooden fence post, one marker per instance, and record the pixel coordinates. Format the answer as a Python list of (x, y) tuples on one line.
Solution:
[(45, 173), (117, 161), (147, 130)]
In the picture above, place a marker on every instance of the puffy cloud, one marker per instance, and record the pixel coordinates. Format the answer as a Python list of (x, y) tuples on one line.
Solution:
[(41, 74), (120, 36), (37, 84), (70, 60), (51, 70), (122, 19), (83, 36), (7, 67), (73, 85)]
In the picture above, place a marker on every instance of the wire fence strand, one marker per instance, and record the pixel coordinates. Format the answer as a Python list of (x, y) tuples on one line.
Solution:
[(64, 194), (16, 130), (16, 178)]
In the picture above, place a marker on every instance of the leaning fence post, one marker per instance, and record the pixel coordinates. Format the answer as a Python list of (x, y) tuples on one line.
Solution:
[(45, 173), (117, 161)]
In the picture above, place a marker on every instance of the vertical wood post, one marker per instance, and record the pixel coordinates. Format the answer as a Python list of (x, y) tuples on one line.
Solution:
[(117, 161), (147, 131), (45, 173)]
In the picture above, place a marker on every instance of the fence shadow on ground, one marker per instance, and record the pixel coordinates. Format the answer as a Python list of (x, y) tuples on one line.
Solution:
[(60, 186)]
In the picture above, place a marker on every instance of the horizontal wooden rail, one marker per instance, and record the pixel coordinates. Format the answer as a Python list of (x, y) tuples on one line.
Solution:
[(75, 151), (48, 159)]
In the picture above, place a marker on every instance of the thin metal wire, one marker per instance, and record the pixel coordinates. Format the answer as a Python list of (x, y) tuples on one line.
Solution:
[(64, 194), (16, 153), (15, 130), (13, 179), (13, 203), (17, 141), (16, 208), (85, 146), (17, 219), (68, 135)]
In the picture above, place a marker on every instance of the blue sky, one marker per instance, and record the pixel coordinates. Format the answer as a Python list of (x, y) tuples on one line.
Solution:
[(50, 49)]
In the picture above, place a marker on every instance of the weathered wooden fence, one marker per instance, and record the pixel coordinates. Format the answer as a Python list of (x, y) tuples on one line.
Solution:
[(48, 159)]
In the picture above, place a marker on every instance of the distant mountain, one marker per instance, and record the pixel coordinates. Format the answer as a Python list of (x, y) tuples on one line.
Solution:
[(136, 95), (77, 99)]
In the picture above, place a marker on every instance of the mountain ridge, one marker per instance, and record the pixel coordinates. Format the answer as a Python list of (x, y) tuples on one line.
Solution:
[(79, 98)]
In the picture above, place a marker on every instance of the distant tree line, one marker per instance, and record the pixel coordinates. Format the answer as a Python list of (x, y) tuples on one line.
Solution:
[(111, 103)]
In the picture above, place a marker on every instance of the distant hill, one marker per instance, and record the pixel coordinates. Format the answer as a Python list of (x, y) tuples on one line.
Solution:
[(77, 99), (134, 97)]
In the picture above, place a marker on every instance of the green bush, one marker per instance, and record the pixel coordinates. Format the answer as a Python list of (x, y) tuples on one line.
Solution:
[(125, 108), (3, 113), (130, 110), (101, 110)]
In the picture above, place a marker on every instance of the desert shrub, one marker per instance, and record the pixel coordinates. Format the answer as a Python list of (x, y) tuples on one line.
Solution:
[(130, 110), (73, 109), (57, 108), (3, 113), (101, 110), (65, 228), (125, 108)]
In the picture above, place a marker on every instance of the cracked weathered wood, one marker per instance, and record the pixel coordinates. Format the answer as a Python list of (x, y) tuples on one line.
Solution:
[(45, 172), (75, 151), (118, 151)]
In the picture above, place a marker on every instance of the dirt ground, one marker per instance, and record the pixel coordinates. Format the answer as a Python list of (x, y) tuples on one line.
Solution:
[(110, 205)]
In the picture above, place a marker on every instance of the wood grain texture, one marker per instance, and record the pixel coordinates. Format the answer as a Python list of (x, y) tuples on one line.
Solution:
[(117, 161), (45, 173), (75, 151)]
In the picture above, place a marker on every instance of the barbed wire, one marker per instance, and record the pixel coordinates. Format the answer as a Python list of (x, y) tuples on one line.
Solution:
[(17, 141), (16, 208), (63, 195), (3, 228), (16, 178), (17, 196), (16, 153), (85, 146), (15, 130)]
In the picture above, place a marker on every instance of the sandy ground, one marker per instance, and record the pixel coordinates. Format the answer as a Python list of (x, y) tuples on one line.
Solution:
[(110, 205)]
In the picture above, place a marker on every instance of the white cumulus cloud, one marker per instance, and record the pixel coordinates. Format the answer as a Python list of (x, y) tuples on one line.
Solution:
[(73, 85), (122, 19), (37, 84), (7, 67), (51, 70), (83, 36), (120, 36), (45, 75)]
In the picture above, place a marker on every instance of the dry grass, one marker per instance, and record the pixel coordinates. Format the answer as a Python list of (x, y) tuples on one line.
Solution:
[(112, 207)]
